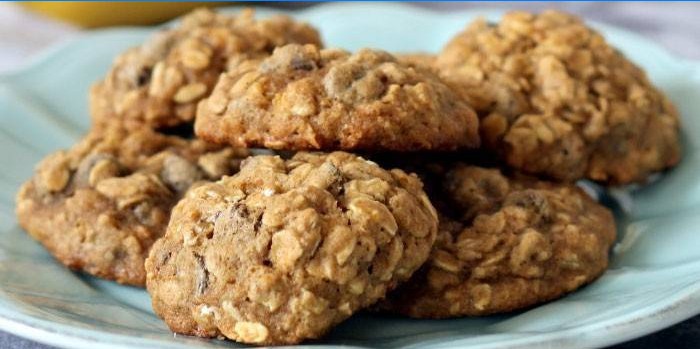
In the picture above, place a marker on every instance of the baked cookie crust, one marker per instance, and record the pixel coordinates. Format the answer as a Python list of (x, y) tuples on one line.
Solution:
[(284, 250), (159, 83), (302, 97), (555, 99), (505, 244), (99, 206)]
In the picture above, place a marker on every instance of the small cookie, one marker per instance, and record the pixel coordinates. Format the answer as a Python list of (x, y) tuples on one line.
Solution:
[(555, 99), (302, 97), (160, 82), (99, 206), (504, 244), (284, 250)]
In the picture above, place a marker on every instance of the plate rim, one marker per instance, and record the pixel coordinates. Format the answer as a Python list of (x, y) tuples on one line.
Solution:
[(683, 304)]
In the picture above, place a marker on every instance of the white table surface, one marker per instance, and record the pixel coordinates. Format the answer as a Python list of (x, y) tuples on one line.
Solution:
[(675, 26)]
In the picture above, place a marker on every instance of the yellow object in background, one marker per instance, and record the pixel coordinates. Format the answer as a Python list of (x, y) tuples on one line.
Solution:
[(103, 14)]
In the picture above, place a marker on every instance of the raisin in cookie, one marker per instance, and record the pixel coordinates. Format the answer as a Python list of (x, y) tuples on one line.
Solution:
[(284, 250), (99, 206), (555, 99), (160, 82), (505, 243), (302, 97)]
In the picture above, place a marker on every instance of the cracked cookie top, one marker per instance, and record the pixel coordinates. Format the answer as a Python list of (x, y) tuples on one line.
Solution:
[(99, 206), (160, 82), (555, 99), (303, 97), (505, 243), (284, 250)]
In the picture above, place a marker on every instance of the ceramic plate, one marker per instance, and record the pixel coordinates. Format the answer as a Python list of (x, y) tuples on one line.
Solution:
[(653, 281)]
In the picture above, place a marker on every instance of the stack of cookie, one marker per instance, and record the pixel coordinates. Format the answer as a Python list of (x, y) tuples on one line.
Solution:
[(278, 249)]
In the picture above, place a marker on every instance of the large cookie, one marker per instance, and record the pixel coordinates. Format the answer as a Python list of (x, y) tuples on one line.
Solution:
[(284, 250), (160, 82), (302, 97), (505, 243), (99, 206), (555, 99)]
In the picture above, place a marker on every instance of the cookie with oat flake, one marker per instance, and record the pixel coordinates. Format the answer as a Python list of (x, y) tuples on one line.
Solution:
[(99, 206), (285, 250), (504, 243), (555, 99), (159, 83), (302, 97)]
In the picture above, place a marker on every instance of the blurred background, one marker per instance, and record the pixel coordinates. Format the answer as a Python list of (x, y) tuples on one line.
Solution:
[(29, 28)]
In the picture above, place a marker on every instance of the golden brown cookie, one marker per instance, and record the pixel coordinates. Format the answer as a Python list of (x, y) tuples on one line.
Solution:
[(302, 97), (160, 82), (504, 244), (284, 250), (555, 99), (99, 206)]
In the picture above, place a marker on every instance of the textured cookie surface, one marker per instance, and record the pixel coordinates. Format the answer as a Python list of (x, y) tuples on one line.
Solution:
[(555, 99), (99, 206), (284, 250), (423, 60), (160, 82), (505, 243), (302, 97)]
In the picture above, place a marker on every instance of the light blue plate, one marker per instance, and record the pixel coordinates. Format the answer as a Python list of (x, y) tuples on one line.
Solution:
[(653, 282)]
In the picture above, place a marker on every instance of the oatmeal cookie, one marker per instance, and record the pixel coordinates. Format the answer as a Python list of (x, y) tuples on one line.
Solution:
[(302, 97), (99, 206), (284, 250), (555, 99), (160, 82), (505, 243)]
